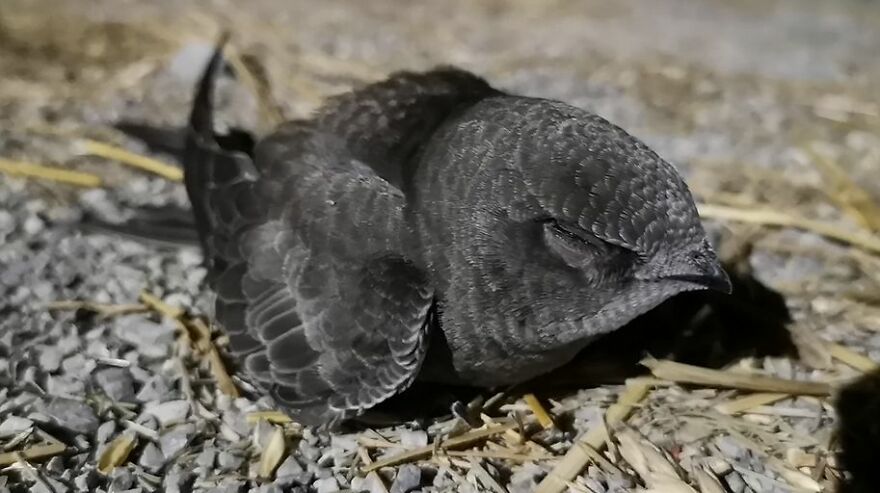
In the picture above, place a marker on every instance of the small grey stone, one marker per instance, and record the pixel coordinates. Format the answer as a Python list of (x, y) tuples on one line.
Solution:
[(237, 422), (525, 478), (117, 383), (229, 461), (55, 465), (408, 478), (86, 481), (268, 488), (173, 442), (154, 389), (105, 431), (33, 225), (326, 485), (735, 482), (78, 365), (371, 483), (151, 458), (65, 385), (50, 358), (152, 339), (309, 451), (13, 425), (172, 482), (229, 486), (289, 467), (73, 415), (730, 448), (413, 438), (619, 483), (49, 485), (206, 458), (303, 478), (169, 412), (148, 421), (69, 344), (121, 479), (346, 443)]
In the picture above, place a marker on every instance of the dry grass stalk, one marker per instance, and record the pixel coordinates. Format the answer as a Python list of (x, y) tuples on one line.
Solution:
[(123, 156), (148, 433), (31, 170), (483, 475), (371, 442), (503, 453), (843, 190), (539, 411), (576, 458), (651, 464), (116, 452), (372, 475), (770, 217), (218, 368), (517, 439), (689, 374), (599, 459), (464, 440), (273, 454), (748, 402), (852, 358), (200, 337), (154, 303), (33, 452)]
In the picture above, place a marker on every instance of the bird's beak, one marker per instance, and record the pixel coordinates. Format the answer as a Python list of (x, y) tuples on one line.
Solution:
[(712, 276), (718, 279)]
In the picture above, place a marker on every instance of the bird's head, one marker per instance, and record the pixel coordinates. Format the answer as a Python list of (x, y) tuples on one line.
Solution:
[(581, 225)]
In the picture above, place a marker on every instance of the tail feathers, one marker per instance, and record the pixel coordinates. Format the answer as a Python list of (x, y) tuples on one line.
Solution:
[(217, 169)]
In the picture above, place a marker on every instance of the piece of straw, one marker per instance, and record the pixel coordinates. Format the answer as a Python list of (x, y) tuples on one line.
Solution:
[(577, 458), (852, 358), (682, 373), (750, 401), (769, 217), (453, 443), (31, 170), (539, 411), (129, 158)]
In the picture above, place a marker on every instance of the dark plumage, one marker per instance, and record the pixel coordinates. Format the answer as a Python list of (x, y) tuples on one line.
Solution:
[(430, 222)]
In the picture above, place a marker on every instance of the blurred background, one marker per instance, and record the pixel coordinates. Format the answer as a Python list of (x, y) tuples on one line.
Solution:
[(731, 82)]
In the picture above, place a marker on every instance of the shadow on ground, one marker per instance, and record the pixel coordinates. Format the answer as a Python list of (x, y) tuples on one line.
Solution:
[(858, 409)]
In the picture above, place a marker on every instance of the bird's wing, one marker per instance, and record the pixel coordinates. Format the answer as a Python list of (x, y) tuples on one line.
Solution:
[(305, 245)]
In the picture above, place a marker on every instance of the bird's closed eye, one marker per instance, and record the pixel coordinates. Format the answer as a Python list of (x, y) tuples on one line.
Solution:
[(573, 244), (576, 233)]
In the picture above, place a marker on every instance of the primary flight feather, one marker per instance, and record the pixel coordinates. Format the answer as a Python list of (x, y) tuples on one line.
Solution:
[(431, 226)]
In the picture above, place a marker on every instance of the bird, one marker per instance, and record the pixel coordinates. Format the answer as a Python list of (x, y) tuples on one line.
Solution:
[(430, 226)]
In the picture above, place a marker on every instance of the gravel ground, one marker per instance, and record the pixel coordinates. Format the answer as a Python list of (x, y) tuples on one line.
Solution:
[(745, 97)]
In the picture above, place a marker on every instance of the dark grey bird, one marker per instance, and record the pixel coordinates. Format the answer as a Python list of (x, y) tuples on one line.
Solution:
[(432, 226)]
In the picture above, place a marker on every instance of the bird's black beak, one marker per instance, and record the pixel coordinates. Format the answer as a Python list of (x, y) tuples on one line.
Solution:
[(712, 277)]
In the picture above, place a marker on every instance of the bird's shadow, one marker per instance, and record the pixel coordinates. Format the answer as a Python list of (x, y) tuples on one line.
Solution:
[(703, 328), (858, 433)]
